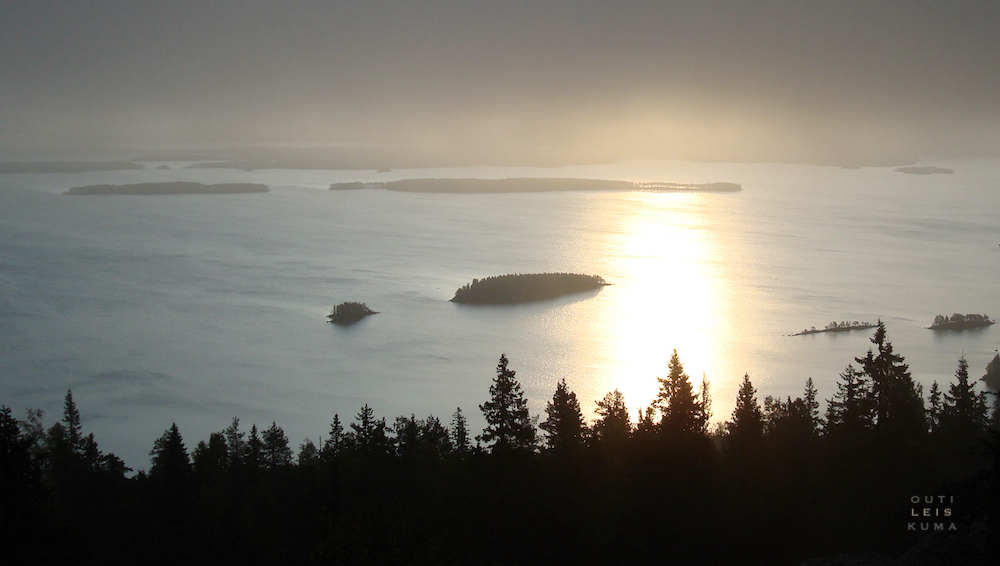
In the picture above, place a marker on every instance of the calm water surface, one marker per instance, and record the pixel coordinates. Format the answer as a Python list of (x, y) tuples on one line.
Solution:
[(197, 308)]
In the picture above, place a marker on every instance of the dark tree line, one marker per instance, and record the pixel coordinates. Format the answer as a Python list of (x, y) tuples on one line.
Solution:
[(776, 483)]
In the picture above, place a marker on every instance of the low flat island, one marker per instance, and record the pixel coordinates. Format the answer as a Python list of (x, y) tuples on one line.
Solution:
[(169, 188), (525, 288), (924, 170), (843, 326), (529, 185)]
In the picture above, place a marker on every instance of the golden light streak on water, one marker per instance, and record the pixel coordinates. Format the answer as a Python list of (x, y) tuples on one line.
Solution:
[(664, 295)]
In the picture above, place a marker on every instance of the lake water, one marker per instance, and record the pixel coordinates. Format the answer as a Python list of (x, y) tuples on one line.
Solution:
[(197, 308)]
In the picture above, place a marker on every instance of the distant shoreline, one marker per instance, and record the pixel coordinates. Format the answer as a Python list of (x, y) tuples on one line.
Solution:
[(66, 166), (924, 170), (169, 188), (530, 185)]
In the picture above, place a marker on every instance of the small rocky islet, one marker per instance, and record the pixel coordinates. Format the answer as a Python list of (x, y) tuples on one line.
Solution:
[(349, 313)]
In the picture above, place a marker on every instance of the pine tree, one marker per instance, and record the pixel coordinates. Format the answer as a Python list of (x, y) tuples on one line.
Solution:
[(71, 418), (992, 376), (705, 401), (812, 406), (746, 428), (645, 424), (170, 461), (236, 445), (336, 443), (681, 410), (934, 411), (370, 435), (308, 453), (407, 436), (564, 426), (964, 413), (255, 449), (508, 424), (613, 425), (898, 403), (20, 476), (276, 450), (211, 459), (849, 412), (459, 432), (435, 441)]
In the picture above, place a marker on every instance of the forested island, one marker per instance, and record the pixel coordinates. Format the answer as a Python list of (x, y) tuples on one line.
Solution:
[(529, 185), (349, 312), (835, 326), (169, 188), (66, 166), (960, 322), (525, 288), (924, 170), (884, 475)]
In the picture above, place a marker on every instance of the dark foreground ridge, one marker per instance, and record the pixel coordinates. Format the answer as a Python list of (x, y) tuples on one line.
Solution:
[(960, 322), (525, 288), (348, 313), (884, 476), (170, 188), (924, 170), (529, 185), (66, 166)]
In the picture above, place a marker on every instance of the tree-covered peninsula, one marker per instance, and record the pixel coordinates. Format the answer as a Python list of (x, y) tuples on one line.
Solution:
[(169, 188), (525, 288)]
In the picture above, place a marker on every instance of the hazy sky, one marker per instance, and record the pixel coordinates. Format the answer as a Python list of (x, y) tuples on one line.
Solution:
[(701, 79)]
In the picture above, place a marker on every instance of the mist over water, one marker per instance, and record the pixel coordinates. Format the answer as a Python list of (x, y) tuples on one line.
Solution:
[(198, 308)]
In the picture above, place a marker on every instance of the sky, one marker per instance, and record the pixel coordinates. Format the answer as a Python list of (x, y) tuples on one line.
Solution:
[(850, 82)]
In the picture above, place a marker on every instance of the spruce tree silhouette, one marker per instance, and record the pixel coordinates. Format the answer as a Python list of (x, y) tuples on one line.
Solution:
[(613, 425), (934, 408), (746, 428), (508, 425), (682, 412), (564, 425), (459, 432), (850, 413), (170, 461), (898, 404), (962, 423)]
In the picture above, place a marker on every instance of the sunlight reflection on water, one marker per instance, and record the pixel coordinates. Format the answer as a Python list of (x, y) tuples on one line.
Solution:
[(661, 298)]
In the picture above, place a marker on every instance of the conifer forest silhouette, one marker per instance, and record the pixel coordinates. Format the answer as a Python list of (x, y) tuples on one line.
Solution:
[(886, 470)]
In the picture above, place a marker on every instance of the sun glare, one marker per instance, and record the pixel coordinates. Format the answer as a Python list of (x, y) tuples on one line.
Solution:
[(662, 298)]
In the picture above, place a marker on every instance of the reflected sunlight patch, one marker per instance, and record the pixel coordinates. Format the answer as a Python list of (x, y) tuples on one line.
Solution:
[(663, 295)]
